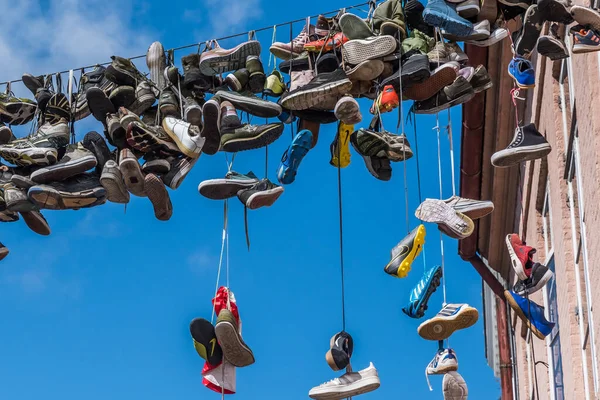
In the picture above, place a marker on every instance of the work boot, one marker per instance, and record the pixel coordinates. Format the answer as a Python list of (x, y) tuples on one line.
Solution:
[(388, 19), (191, 71)]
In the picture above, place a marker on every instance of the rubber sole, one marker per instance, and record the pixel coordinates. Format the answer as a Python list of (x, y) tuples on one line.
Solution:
[(586, 16), (144, 140), (157, 62), (359, 387), (159, 197), (432, 85), (221, 189), (348, 111), (116, 191), (305, 99), (205, 341), (367, 70), (354, 27), (282, 52), (516, 263), (441, 328), (265, 138), (438, 212), (294, 155), (234, 350), (508, 157), (459, 100), (264, 198), (60, 172), (445, 22), (36, 222), (3, 252), (213, 63), (530, 33), (403, 269), (210, 131), (123, 96), (583, 48), (39, 156), (51, 199), (477, 212), (252, 105), (359, 50), (513, 304), (133, 176), (99, 104)]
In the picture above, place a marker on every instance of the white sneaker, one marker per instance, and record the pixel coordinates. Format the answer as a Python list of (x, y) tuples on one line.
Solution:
[(455, 387), (348, 385), (444, 361), (186, 136), (496, 36)]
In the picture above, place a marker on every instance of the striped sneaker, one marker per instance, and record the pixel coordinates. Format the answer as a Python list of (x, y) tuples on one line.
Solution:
[(585, 41), (451, 318), (439, 212), (444, 361), (419, 297), (473, 209)]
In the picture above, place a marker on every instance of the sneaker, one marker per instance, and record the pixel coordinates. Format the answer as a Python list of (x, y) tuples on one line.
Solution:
[(415, 69), (323, 86), (527, 144), (586, 17), (95, 143), (326, 44), (481, 31), (186, 136), (585, 41), (441, 77), (413, 10), (419, 297), (168, 104), (454, 386), (262, 194), (551, 47), (112, 181), (158, 195), (228, 187), (99, 104), (341, 348), (354, 27), (179, 170), (122, 96), (257, 78), (379, 167), (555, 11), (144, 98), (157, 62), (205, 341), (340, 149), (150, 139), (481, 80), (359, 50), (192, 112), (77, 159), (115, 134), (57, 108), (235, 350), (528, 36), (405, 252), (347, 110), (293, 156), (327, 62), (439, 212), (132, 174), (521, 256), (248, 137), (33, 83), (455, 53), (474, 209), (388, 19), (94, 78), (540, 275), (3, 251), (238, 81), (442, 15), (367, 70), (211, 130), (440, 54), (40, 149), (386, 101), (6, 134), (348, 385), (36, 222), (459, 92), (530, 313), (156, 164), (451, 318), (192, 77), (15, 199), (444, 361), (123, 72), (250, 104), (219, 60), (371, 143), (274, 85), (294, 49), (322, 26), (81, 191), (16, 111), (496, 36), (512, 4), (468, 8)]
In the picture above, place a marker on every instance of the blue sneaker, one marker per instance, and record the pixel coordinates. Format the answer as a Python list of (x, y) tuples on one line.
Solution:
[(422, 292), (530, 313), (440, 14), (293, 156), (522, 72)]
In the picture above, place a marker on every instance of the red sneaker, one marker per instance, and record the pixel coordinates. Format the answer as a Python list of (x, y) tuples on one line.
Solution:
[(388, 100), (521, 255), (326, 45)]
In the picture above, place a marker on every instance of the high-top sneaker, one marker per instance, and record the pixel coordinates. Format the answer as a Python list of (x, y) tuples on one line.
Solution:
[(521, 255), (144, 98), (256, 72), (93, 78), (168, 104), (262, 194), (295, 48), (238, 81), (527, 144)]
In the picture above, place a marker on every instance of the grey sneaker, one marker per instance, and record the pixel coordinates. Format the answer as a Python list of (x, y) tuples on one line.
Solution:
[(439, 212), (144, 98), (132, 174), (123, 72), (112, 180), (324, 85), (90, 79), (157, 62), (247, 137), (474, 209), (158, 195), (348, 385), (168, 104), (179, 170), (16, 200), (192, 112), (250, 104), (221, 189), (371, 143), (454, 386), (81, 191), (156, 165), (77, 159), (262, 194)]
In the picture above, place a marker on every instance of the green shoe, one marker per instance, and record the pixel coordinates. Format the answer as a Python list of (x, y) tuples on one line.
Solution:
[(257, 79), (388, 19), (274, 85), (355, 27), (418, 41), (16, 111), (238, 81), (205, 341), (234, 349)]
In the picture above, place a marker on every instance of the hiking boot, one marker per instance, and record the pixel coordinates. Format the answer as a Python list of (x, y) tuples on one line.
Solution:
[(386, 101), (439, 212), (339, 148), (341, 348), (521, 70), (81, 191), (442, 15), (585, 41), (474, 209), (192, 112), (3, 252), (157, 62), (358, 50), (192, 77), (371, 143), (262, 194), (294, 49), (6, 134), (481, 80), (123, 72), (15, 199), (179, 170), (444, 361), (521, 256), (274, 85), (77, 159), (132, 173), (531, 314), (348, 385), (149, 139), (238, 81), (250, 104), (257, 78), (94, 78), (347, 111), (205, 341), (555, 11), (354, 27), (540, 275), (144, 98), (388, 19), (112, 181), (186, 136), (469, 9), (451, 318), (36, 222), (326, 44), (527, 144), (158, 195), (321, 87), (438, 80), (122, 96), (99, 104), (16, 111), (413, 10), (293, 156), (221, 189), (219, 60), (168, 104), (40, 149), (156, 165), (367, 70), (405, 252), (454, 386), (235, 350), (419, 296), (248, 137), (528, 36), (586, 17)]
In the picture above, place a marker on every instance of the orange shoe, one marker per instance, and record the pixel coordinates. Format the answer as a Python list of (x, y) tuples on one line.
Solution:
[(326, 45), (386, 101)]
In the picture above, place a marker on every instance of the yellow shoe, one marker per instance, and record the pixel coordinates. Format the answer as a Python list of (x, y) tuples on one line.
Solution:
[(341, 146), (405, 253)]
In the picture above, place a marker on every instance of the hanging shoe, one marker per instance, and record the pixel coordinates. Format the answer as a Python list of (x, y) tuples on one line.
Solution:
[(15, 199), (440, 14), (586, 17), (156, 164), (528, 36), (367, 70), (437, 211), (388, 19), (238, 81), (540, 275), (496, 36), (36, 222), (530, 313), (186, 136), (211, 132), (144, 98), (419, 297), (481, 80), (348, 385), (250, 104), (358, 50), (228, 187), (527, 144), (585, 41), (205, 341), (413, 10), (57, 108), (157, 62), (262, 194), (274, 85), (294, 49), (123, 72), (474, 209), (555, 11), (459, 92), (168, 104), (323, 86), (81, 191), (159, 197), (293, 156), (99, 104), (192, 112), (3, 251), (326, 44), (180, 167), (112, 181), (6, 134), (219, 60), (248, 137), (443, 362), (441, 77), (454, 386), (386, 101), (76, 160), (132, 173), (354, 27), (415, 69), (16, 111), (347, 111), (95, 143), (339, 148), (235, 350), (371, 143), (94, 78), (405, 252), (451, 318), (469, 9), (552, 46), (322, 26), (122, 96), (521, 256), (150, 139), (257, 78), (341, 348)]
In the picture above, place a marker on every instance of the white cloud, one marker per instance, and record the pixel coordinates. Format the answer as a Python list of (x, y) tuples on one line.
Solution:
[(202, 261), (223, 21)]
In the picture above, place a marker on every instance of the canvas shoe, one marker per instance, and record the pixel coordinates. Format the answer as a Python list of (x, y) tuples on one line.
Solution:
[(521, 70), (474, 209), (156, 164), (250, 104), (168, 104), (322, 87), (36, 222), (459, 92), (439, 212), (294, 49), (341, 348), (192, 112), (405, 252), (3, 251), (274, 85), (530, 313), (112, 181), (95, 143), (442, 15), (228, 187), (150, 139), (443, 362), (552, 47), (76, 160), (419, 296), (186, 136), (440, 54), (157, 62), (94, 78), (521, 256), (529, 33), (340, 147), (235, 350), (123, 72), (527, 144), (248, 137), (293, 156), (257, 77), (585, 41), (144, 98), (80, 191), (16, 200), (205, 341), (16, 111), (347, 111), (354, 27), (348, 385), (326, 44), (159, 197), (358, 50), (496, 36), (481, 80), (451, 318), (441, 77), (219, 60), (180, 167), (262, 194), (388, 19), (539, 277), (132, 173), (454, 387), (238, 81), (586, 17), (468, 8)]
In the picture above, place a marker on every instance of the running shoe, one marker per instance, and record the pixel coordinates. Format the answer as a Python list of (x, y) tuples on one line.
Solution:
[(405, 252), (530, 313), (450, 319), (292, 157), (443, 362), (419, 297), (521, 255), (386, 101)]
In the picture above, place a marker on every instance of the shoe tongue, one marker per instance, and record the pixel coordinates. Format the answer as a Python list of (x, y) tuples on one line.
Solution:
[(251, 175)]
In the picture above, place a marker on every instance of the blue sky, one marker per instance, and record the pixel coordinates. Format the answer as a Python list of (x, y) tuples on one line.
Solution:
[(100, 309)]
